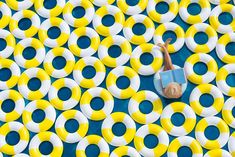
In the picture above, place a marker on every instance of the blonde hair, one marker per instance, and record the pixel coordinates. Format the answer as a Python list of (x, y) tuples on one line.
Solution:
[(173, 90)]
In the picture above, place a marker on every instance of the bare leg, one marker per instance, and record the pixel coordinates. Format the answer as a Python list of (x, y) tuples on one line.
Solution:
[(167, 58)]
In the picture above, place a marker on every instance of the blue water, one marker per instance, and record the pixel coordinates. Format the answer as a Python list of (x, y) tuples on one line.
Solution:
[(146, 84)]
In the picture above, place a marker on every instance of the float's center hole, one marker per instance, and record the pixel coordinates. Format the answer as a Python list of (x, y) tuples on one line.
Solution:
[(25, 23), (78, 12), (146, 107), (34, 84), (170, 34), (97, 103), (146, 58), (206, 100), (201, 38), (108, 20), (38, 116), (5, 74), (3, 44), (89, 72), (71, 125), (231, 80), (132, 2), (59, 62), (114, 51), (151, 141), (225, 18), (46, 147), (123, 82), (200, 68), (230, 48), (64, 93), (178, 119), (139, 29), (119, 129), (233, 112), (212, 132), (0, 14), (184, 151), (162, 7), (54, 32), (12, 138), (8, 105), (49, 4), (194, 9), (92, 150), (84, 42), (29, 53)]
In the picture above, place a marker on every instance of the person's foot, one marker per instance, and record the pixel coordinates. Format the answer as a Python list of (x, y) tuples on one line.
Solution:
[(165, 45)]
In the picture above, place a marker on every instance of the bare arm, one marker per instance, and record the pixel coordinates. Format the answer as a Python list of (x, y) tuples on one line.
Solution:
[(167, 58)]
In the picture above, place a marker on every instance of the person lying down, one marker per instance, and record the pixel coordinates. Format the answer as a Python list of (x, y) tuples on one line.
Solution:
[(173, 90)]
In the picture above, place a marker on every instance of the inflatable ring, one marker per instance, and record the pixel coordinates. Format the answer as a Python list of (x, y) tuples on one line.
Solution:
[(61, 39), (132, 10), (217, 105), (47, 13), (125, 150), (221, 47), (15, 73), (27, 76), (227, 112), (46, 123), (114, 118), (184, 141), (21, 33), (137, 115), (138, 39), (212, 68), (221, 79), (81, 32), (20, 155), (6, 15), (165, 27), (10, 43), (110, 41), (151, 68), (100, 3), (212, 121), (45, 136), (154, 129), (36, 60), (186, 111), (23, 138), (79, 133), (158, 83), (201, 48), (198, 18), (59, 52), (216, 2), (56, 101), (19, 5), (217, 152), (114, 29), (214, 18), (92, 139), (166, 17), (119, 72), (231, 144), (78, 22), (89, 95), (89, 82), (19, 105)]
